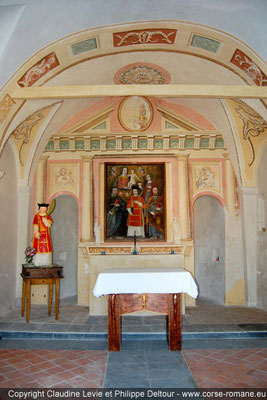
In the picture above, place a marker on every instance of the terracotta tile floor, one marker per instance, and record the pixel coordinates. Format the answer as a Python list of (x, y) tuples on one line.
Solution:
[(228, 368), (47, 368), (213, 363)]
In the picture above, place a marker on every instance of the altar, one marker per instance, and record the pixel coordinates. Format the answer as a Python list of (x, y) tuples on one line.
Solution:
[(100, 263), (154, 289)]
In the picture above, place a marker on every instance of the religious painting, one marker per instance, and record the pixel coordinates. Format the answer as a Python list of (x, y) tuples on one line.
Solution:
[(135, 113), (135, 201)]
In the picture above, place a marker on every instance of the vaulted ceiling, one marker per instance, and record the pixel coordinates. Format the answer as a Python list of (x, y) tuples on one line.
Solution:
[(160, 53)]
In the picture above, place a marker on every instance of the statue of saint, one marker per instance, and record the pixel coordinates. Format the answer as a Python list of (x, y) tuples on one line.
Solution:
[(41, 236)]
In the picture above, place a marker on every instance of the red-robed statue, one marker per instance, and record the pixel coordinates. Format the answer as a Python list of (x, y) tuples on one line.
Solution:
[(42, 240)]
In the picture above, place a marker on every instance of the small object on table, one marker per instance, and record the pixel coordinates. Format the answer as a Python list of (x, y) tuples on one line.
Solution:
[(47, 275)]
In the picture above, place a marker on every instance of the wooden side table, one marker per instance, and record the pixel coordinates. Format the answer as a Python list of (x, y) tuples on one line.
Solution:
[(40, 276)]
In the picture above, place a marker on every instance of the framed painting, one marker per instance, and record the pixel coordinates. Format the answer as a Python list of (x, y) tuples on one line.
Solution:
[(135, 201)]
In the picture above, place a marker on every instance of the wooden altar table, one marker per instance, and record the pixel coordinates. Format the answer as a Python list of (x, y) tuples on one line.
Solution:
[(157, 290)]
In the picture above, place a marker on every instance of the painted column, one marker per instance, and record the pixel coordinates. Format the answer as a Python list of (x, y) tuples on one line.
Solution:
[(249, 226), (87, 200), (183, 197), (230, 186), (40, 194)]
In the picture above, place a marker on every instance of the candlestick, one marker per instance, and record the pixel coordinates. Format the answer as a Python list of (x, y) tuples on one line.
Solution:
[(134, 252)]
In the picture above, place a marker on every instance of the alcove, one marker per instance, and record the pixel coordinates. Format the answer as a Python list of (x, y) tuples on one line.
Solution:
[(209, 240)]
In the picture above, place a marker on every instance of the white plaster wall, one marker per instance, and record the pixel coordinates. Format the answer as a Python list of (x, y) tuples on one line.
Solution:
[(262, 238), (44, 21), (8, 231), (234, 260), (9, 17)]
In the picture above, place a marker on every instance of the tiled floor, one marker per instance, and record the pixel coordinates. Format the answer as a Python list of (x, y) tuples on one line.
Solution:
[(222, 347), (235, 368), (47, 368)]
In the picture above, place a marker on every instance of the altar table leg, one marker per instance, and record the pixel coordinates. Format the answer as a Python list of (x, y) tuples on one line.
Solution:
[(175, 332), (23, 298), (28, 301), (57, 298), (114, 329), (50, 298)]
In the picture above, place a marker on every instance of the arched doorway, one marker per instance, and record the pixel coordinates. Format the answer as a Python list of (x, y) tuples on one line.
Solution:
[(65, 242), (209, 240)]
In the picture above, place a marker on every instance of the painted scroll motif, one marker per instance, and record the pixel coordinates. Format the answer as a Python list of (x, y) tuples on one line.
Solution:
[(39, 70), (148, 36)]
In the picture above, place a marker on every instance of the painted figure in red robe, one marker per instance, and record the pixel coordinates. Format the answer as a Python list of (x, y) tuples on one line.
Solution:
[(42, 240), (135, 208)]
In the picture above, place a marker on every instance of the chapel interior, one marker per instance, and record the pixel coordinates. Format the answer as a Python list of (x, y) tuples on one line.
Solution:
[(171, 89), (57, 144)]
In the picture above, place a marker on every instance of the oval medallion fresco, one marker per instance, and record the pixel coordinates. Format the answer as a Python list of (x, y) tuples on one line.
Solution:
[(135, 113)]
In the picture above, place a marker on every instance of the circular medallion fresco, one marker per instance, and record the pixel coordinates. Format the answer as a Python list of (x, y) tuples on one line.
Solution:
[(142, 75), (135, 113)]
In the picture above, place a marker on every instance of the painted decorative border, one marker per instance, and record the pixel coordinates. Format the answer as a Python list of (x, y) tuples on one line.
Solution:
[(141, 36), (245, 63), (110, 250), (40, 69), (153, 142), (5, 107)]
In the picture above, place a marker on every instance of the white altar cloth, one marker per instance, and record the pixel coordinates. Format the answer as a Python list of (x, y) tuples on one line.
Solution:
[(152, 280)]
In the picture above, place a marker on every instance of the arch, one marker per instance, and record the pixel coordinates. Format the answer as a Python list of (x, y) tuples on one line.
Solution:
[(49, 62)]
